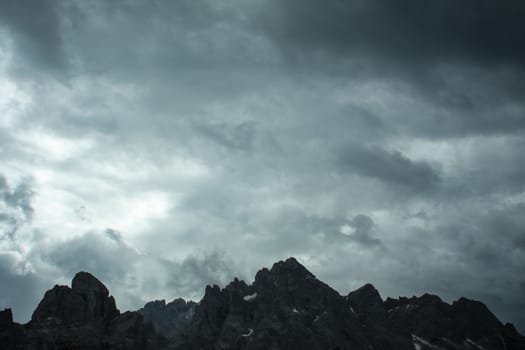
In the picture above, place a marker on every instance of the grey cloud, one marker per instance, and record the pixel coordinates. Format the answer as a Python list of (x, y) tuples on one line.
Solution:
[(483, 244), (477, 254), (35, 27), (297, 230), (106, 255), (300, 230), (476, 102), (238, 136), (390, 167), (131, 275), (406, 30), (114, 235), (436, 52), (364, 227), (508, 224), (103, 255), (492, 169), (10, 222), (19, 289), (16, 205), (193, 273), (170, 39), (20, 197)]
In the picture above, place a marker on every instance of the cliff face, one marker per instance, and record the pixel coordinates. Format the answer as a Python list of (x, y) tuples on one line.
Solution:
[(286, 307)]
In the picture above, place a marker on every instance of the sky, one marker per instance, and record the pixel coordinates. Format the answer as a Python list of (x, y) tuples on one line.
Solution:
[(167, 145)]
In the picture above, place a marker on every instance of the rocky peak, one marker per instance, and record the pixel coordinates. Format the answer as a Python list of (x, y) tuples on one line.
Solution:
[(156, 304), (367, 293), (367, 302), (292, 267), (264, 277), (285, 280), (86, 283), (87, 301), (210, 291), (236, 285), (290, 283), (474, 316), (430, 299)]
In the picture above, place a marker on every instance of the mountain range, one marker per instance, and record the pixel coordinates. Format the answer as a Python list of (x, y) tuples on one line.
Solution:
[(286, 307)]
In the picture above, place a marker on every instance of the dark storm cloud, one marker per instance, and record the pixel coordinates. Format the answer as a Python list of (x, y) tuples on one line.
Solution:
[(464, 100), (35, 30), (465, 60), (390, 167), (407, 30)]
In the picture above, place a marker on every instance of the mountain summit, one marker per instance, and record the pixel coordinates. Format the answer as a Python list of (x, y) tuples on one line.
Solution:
[(87, 301), (286, 307)]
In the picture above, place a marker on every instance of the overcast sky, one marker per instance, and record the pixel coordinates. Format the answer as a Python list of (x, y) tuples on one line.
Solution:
[(166, 145)]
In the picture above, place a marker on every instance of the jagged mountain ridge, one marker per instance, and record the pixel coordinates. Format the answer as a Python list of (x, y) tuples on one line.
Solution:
[(286, 307)]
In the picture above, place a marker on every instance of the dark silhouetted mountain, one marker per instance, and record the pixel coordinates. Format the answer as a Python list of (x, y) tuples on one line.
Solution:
[(286, 307), (86, 302)]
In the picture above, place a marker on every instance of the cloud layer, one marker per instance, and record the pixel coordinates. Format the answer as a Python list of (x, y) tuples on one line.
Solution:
[(166, 145)]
